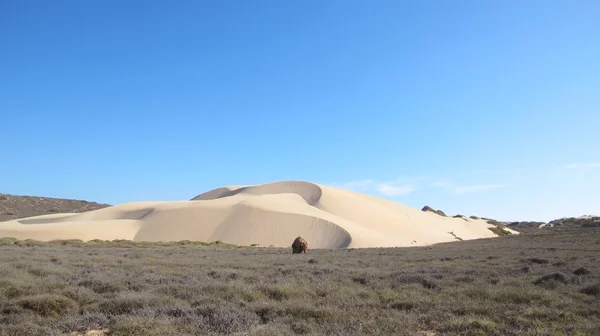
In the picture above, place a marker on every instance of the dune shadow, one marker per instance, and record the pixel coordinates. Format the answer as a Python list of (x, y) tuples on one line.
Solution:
[(312, 196)]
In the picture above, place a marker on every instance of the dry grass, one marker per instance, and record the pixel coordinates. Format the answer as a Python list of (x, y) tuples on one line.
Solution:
[(544, 284)]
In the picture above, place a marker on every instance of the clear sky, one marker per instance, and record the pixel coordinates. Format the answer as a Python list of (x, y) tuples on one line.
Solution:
[(489, 108)]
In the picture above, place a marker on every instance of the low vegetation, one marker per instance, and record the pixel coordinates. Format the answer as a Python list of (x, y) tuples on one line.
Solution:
[(430, 209), (117, 243), (546, 283), (455, 236), (499, 229), (557, 224), (584, 222), (17, 206)]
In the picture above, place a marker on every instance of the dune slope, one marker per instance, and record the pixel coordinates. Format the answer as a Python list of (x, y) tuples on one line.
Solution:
[(271, 214)]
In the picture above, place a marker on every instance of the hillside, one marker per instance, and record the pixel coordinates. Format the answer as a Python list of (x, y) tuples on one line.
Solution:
[(557, 224), (15, 206)]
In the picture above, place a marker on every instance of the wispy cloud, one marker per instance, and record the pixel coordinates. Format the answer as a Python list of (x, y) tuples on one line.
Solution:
[(441, 184), (477, 188), (358, 185), (583, 166), (506, 172), (465, 189), (390, 188), (406, 186)]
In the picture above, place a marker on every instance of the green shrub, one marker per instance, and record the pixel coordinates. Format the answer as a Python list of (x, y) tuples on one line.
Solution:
[(125, 304), (499, 231), (536, 260), (48, 304), (4, 241), (581, 271), (101, 287), (30, 243), (399, 279), (550, 281), (430, 209), (68, 242), (591, 290)]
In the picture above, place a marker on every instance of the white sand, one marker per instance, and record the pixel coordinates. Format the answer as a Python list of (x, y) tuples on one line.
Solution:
[(272, 214)]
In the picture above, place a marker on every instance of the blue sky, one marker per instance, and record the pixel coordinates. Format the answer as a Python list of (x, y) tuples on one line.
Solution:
[(475, 107)]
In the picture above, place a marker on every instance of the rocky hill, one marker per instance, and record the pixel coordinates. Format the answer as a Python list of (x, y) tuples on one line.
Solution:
[(14, 206)]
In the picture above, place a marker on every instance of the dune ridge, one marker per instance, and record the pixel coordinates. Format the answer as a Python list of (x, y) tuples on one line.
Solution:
[(270, 214)]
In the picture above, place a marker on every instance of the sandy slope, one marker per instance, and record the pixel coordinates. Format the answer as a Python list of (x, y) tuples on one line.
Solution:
[(270, 214)]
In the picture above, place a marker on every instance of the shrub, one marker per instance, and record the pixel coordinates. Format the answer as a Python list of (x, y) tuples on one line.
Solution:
[(361, 280), (430, 209), (581, 271), (402, 305), (537, 260), (100, 287), (472, 325), (305, 312), (48, 304), (399, 279), (278, 292), (465, 279), (455, 236), (516, 296), (499, 231), (266, 314), (550, 280), (591, 290), (130, 302), (30, 243), (67, 242), (4, 241)]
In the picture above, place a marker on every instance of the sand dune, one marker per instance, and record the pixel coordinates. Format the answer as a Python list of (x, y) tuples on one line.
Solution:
[(271, 214)]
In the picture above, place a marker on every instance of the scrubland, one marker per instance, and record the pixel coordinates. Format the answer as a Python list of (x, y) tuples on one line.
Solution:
[(543, 283)]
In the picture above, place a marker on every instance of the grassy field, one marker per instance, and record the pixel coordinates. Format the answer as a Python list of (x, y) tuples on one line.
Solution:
[(532, 284)]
